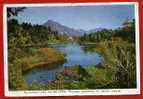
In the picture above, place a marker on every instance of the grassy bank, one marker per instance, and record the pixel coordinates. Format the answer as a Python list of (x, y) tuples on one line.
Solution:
[(38, 57), (42, 57)]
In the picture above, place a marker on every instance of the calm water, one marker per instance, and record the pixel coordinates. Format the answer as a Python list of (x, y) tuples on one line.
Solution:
[(75, 55)]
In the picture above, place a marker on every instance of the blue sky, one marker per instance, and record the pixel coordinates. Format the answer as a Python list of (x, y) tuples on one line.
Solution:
[(80, 17)]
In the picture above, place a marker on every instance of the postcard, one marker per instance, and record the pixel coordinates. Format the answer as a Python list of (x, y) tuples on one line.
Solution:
[(71, 49)]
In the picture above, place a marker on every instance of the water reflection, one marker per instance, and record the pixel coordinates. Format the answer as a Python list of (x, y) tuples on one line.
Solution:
[(75, 55)]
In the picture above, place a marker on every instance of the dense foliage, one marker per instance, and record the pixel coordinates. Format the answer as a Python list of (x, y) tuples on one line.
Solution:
[(126, 33)]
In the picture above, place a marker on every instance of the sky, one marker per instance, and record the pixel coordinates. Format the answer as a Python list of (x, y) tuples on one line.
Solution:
[(80, 17)]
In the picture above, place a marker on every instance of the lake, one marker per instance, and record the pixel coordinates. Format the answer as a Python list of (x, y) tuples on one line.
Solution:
[(75, 54)]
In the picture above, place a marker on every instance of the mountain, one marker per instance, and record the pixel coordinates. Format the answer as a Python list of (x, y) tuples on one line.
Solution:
[(62, 29), (55, 26), (95, 30)]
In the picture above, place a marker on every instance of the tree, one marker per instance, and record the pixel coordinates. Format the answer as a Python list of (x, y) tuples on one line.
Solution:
[(13, 11)]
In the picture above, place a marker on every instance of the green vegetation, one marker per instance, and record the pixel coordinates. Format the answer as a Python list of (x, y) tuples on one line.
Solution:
[(43, 57), (121, 59), (118, 49), (125, 33), (21, 57)]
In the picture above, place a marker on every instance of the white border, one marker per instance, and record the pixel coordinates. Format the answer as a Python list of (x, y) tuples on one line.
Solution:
[(134, 91)]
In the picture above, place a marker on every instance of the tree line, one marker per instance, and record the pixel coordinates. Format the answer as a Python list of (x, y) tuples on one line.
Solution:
[(125, 32)]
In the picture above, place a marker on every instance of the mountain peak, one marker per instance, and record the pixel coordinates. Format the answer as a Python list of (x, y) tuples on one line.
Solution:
[(50, 20), (55, 26), (62, 29)]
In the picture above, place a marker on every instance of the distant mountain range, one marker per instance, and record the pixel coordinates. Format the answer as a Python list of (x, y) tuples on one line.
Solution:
[(95, 30), (62, 29)]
